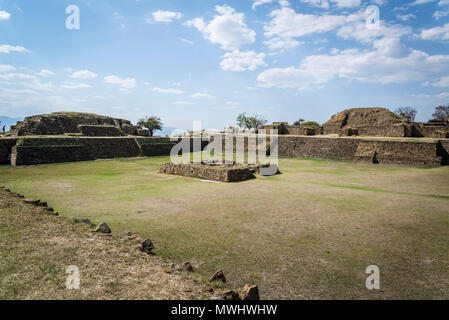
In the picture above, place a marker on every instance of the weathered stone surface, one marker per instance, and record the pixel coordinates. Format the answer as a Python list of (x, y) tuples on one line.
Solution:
[(61, 122), (208, 172), (126, 234), (250, 293), (102, 227), (147, 246), (218, 276), (390, 151), (143, 132), (187, 267), (32, 201), (100, 130), (231, 295)]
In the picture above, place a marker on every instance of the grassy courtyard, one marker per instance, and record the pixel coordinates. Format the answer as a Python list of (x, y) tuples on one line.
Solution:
[(308, 233)]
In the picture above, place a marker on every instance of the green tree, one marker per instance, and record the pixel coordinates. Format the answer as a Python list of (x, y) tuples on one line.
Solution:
[(310, 124), (441, 112), (408, 113), (298, 122), (151, 123), (250, 122)]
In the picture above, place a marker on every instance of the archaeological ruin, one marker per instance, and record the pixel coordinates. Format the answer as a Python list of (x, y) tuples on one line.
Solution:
[(373, 135)]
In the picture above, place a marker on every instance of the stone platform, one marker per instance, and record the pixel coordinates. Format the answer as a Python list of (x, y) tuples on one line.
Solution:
[(223, 173)]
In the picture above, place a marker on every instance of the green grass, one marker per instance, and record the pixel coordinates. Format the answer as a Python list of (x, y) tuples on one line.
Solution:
[(309, 232)]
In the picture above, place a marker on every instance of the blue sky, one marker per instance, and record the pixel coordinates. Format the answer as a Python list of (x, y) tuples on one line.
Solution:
[(210, 60)]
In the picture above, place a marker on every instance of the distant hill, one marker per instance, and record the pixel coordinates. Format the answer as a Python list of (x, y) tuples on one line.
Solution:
[(8, 122)]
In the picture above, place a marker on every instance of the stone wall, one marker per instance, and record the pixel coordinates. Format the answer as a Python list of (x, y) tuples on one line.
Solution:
[(99, 130), (37, 150), (5, 149), (216, 173), (51, 150), (355, 149)]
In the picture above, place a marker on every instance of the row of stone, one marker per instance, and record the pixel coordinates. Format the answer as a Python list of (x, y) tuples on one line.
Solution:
[(42, 207), (249, 292)]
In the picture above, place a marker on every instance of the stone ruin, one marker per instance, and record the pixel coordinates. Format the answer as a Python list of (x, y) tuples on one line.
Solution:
[(379, 122), (215, 171), (223, 173), (76, 123)]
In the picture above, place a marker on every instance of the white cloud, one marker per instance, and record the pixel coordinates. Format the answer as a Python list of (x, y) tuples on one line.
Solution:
[(418, 2), (442, 83), (202, 95), (405, 17), (83, 74), (389, 62), (6, 67), (74, 85), (437, 33), (318, 3), (257, 3), (165, 16), (440, 14), (7, 49), (169, 90), (286, 25), (356, 29), (347, 3), (182, 103), (4, 15), (25, 80), (187, 41), (242, 61), (45, 73), (127, 83), (226, 29), (324, 4)]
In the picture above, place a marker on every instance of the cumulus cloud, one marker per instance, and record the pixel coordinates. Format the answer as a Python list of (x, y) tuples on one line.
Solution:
[(164, 16), (227, 28), (127, 83), (286, 24), (4, 15), (74, 85), (440, 14), (388, 62), (356, 29), (437, 33), (442, 82), (24, 80), (257, 3), (242, 61), (6, 67), (45, 73), (83, 74), (169, 90), (202, 95), (339, 3), (5, 48)]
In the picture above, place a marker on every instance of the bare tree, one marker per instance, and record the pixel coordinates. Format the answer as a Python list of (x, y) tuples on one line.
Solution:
[(408, 113)]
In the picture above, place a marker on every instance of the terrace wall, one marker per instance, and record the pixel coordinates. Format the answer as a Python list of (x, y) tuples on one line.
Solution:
[(5, 149), (355, 149)]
